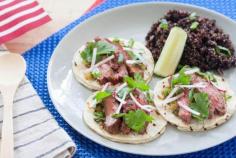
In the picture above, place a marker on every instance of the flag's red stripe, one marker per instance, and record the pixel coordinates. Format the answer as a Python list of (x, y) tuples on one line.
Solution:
[(95, 4), (20, 19), (10, 4), (24, 29), (23, 8)]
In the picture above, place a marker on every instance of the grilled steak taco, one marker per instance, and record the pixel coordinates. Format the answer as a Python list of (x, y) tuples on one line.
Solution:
[(194, 101), (106, 60), (125, 114)]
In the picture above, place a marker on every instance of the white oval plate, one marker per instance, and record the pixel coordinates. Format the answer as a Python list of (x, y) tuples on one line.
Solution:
[(131, 21)]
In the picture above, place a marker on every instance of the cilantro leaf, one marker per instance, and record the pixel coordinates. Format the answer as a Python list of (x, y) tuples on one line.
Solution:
[(149, 96), (120, 58), (96, 73), (135, 120), (123, 91), (190, 95), (222, 50), (99, 116), (194, 25), (166, 91), (104, 48), (164, 24), (102, 95), (131, 43), (207, 75), (136, 84), (138, 77), (193, 16), (118, 115), (182, 78), (87, 53), (200, 104)]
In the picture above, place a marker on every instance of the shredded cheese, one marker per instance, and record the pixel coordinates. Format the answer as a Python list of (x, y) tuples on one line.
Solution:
[(93, 58), (105, 86), (187, 108), (171, 94), (135, 52), (169, 100), (218, 87), (133, 62), (189, 72), (101, 62), (122, 101), (120, 87), (197, 85), (148, 108)]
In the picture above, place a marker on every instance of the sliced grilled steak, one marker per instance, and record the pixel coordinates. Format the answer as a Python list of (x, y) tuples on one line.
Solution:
[(118, 76), (216, 97), (125, 129), (111, 125), (184, 114), (106, 72), (132, 69)]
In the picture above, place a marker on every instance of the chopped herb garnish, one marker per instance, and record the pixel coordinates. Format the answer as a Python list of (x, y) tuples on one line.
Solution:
[(103, 48), (99, 116), (222, 50), (182, 78), (194, 25), (120, 58), (149, 97), (200, 104), (118, 115), (227, 97), (190, 95), (140, 84), (135, 120), (166, 91), (131, 43), (96, 73), (102, 95), (207, 75), (132, 55), (123, 91), (87, 53), (116, 40), (138, 77), (164, 24), (193, 16)]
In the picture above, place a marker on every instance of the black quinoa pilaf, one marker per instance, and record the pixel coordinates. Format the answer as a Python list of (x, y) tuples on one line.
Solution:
[(202, 44)]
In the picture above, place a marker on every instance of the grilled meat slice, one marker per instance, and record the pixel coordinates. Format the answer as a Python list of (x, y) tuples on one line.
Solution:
[(184, 114), (118, 76), (132, 69), (216, 97), (112, 125)]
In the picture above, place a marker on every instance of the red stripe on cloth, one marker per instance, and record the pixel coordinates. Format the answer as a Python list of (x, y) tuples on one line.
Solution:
[(20, 19), (24, 29), (15, 11), (95, 4), (9, 4)]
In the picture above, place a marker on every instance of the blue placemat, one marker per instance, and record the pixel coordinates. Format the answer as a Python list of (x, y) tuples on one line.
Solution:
[(38, 57)]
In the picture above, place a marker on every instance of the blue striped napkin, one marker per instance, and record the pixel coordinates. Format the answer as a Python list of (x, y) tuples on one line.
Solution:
[(36, 133)]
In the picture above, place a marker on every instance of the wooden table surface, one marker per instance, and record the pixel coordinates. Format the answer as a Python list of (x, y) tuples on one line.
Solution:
[(62, 13)]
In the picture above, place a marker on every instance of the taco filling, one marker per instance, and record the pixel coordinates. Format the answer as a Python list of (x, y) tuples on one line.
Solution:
[(194, 95), (109, 60), (126, 109)]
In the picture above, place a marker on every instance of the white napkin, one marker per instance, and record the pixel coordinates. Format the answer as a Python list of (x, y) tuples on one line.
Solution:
[(36, 133)]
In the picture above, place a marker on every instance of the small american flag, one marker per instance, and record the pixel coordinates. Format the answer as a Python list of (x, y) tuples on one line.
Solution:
[(20, 16)]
